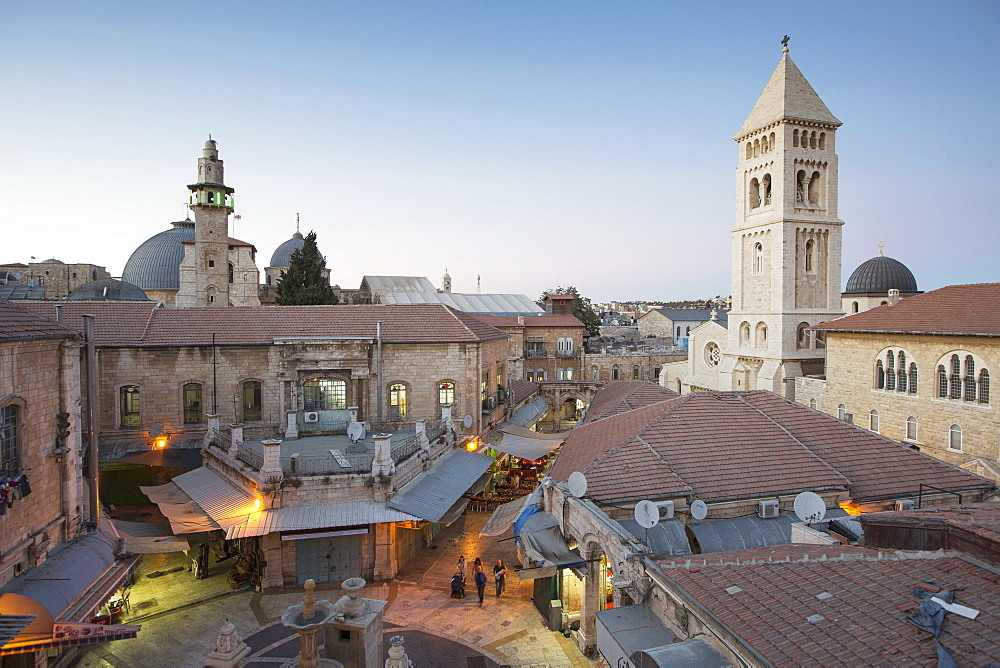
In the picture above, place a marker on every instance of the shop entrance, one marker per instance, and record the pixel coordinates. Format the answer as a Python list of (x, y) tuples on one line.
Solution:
[(328, 558)]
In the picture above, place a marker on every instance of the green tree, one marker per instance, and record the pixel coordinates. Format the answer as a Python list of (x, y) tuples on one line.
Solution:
[(303, 283), (581, 308)]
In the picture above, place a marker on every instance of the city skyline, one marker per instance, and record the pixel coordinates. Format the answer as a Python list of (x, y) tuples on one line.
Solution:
[(588, 145)]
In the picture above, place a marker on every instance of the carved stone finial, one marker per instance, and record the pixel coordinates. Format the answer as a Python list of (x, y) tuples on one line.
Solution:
[(308, 601), (880, 247), (397, 655), (784, 44)]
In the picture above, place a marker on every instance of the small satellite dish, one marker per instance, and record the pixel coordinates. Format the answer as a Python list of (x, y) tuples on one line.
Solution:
[(699, 510), (647, 515), (155, 429), (467, 421), (810, 507), (577, 484), (355, 431)]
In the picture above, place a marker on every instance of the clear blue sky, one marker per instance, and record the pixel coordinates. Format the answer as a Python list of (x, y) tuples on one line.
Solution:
[(531, 143)]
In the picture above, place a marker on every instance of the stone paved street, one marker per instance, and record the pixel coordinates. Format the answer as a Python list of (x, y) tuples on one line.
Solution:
[(439, 630)]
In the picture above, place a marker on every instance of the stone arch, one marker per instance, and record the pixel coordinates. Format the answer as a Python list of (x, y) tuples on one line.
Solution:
[(754, 193)]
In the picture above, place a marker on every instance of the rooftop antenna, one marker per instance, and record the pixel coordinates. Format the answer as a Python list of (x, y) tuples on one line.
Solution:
[(297, 224), (647, 515), (810, 507), (479, 287), (577, 484), (699, 510)]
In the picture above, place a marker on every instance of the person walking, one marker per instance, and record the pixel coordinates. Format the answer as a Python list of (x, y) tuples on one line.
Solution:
[(500, 575), (476, 564), (480, 578), (461, 566)]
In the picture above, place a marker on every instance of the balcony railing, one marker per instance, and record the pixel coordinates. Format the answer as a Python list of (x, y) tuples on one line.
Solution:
[(567, 353), (249, 456), (404, 449), (535, 354)]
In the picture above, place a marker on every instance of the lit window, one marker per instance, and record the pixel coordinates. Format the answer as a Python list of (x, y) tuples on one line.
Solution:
[(129, 403), (251, 401), (955, 438), (192, 403), (615, 373), (397, 401), (595, 373), (325, 394), (446, 391), (635, 372)]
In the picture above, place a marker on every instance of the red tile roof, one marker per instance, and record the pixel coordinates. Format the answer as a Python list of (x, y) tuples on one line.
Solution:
[(130, 324), (19, 324), (819, 605), (980, 519), (521, 390), (530, 320), (955, 309), (743, 445), (625, 395)]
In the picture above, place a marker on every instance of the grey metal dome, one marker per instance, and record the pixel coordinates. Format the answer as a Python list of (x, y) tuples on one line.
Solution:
[(107, 290), (282, 256), (155, 265), (52, 260), (879, 275)]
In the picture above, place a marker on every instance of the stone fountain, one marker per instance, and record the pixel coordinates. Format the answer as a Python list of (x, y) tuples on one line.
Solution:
[(307, 619)]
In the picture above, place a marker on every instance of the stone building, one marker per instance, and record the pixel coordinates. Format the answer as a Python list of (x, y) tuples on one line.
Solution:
[(786, 246), (872, 283), (55, 278), (544, 347), (918, 372), (677, 323)]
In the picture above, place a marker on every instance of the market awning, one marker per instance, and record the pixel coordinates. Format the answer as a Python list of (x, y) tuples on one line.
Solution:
[(147, 537), (431, 495), (543, 542), (185, 458), (74, 581), (524, 443), (504, 516), (318, 516), (201, 500), (74, 635), (528, 414)]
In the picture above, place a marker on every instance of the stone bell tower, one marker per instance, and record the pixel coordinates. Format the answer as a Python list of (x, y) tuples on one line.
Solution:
[(786, 244), (205, 281)]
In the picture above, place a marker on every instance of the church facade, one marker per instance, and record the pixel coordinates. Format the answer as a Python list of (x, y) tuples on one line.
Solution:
[(786, 248)]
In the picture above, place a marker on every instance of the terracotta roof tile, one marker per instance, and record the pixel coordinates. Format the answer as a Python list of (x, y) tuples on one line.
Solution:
[(621, 396), (521, 390), (128, 324), (954, 309), (863, 622), (18, 324), (744, 445)]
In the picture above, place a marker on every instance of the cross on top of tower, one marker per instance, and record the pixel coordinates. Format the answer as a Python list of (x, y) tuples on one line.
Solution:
[(880, 247), (784, 44)]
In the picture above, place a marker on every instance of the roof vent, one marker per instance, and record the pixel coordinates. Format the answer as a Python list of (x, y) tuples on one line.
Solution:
[(768, 509), (904, 504)]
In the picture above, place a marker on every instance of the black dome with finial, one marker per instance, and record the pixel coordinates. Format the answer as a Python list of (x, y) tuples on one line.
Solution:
[(879, 275)]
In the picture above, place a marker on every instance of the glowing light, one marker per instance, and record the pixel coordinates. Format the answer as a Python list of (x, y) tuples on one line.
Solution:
[(850, 508), (161, 443), (472, 446), (257, 504)]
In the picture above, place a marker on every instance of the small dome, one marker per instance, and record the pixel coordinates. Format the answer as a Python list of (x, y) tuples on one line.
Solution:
[(155, 265), (879, 275), (52, 260), (107, 290), (282, 256)]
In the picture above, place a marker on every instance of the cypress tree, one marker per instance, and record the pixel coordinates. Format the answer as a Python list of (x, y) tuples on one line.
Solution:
[(303, 283)]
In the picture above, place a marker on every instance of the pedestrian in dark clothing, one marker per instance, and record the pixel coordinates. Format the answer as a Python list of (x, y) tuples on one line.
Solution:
[(500, 574), (480, 578)]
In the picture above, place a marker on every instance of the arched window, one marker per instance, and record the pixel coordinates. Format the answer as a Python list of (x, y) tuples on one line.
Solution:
[(758, 259), (970, 378), (595, 373), (230, 272), (397, 401), (873, 421), (814, 188), (890, 371), (744, 333), (942, 382), (615, 373), (10, 440), (569, 373), (955, 381), (129, 402), (678, 331), (984, 386), (749, 150), (324, 394), (756, 147), (687, 331), (812, 139), (911, 428), (252, 401), (879, 376), (795, 138), (855, 307), (901, 374), (802, 336), (800, 186), (635, 372), (955, 438), (269, 279), (842, 412), (446, 392), (529, 376), (810, 250), (763, 144), (760, 339), (192, 403), (813, 404), (765, 186), (754, 193), (913, 377), (772, 141), (822, 141)]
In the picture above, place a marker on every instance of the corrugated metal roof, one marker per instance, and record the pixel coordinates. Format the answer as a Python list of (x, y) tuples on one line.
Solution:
[(666, 539), (382, 284), (225, 504), (432, 494), (528, 414), (317, 516), (494, 304)]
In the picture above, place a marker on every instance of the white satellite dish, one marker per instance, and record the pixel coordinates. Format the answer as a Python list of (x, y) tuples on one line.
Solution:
[(699, 510), (155, 429), (355, 431), (467, 421), (810, 507), (577, 484), (647, 515)]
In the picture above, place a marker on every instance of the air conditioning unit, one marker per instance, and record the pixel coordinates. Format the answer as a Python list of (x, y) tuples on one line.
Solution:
[(768, 509), (311, 416), (849, 418), (904, 504), (666, 509)]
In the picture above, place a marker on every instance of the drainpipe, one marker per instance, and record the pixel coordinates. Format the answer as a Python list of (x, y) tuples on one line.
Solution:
[(92, 417), (378, 372)]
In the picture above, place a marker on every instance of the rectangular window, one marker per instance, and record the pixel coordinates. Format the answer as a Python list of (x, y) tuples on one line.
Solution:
[(10, 458), (129, 402), (325, 394), (192, 403), (251, 401)]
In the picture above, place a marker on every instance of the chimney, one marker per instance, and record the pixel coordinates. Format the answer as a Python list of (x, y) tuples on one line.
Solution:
[(272, 458), (382, 463), (893, 297)]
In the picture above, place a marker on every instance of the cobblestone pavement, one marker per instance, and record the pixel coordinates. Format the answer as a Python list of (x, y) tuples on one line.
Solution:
[(438, 630)]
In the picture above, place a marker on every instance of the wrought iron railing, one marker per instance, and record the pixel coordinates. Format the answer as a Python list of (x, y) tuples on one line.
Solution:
[(249, 456), (326, 465), (535, 354), (404, 449), (223, 440), (436, 430), (567, 353)]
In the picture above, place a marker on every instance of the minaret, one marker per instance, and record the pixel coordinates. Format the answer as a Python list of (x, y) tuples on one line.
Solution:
[(212, 202), (786, 243), (446, 282)]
